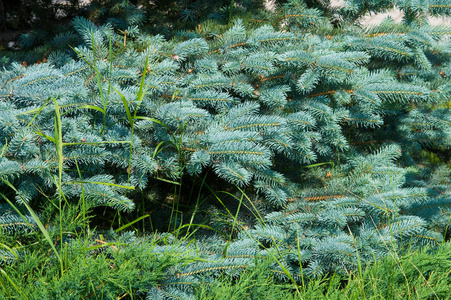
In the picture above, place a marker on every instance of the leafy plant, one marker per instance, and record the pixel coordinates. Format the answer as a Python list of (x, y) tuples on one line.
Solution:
[(336, 134)]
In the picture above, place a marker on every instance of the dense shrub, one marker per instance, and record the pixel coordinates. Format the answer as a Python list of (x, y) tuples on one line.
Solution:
[(341, 132)]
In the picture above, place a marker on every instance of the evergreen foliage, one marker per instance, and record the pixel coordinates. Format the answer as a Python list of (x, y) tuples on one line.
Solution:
[(342, 132)]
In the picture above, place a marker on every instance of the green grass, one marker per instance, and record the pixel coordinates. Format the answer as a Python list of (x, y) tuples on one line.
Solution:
[(110, 267), (417, 275), (97, 267)]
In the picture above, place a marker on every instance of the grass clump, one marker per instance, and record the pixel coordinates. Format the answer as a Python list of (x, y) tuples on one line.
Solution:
[(96, 266)]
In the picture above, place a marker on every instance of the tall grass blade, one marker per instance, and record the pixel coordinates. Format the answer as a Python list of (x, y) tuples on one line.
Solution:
[(35, 218), (124, 100), (132, 222), (59, 151), (13, 284)]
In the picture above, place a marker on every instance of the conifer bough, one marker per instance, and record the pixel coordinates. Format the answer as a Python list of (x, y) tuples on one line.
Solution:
[(261, 107)]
